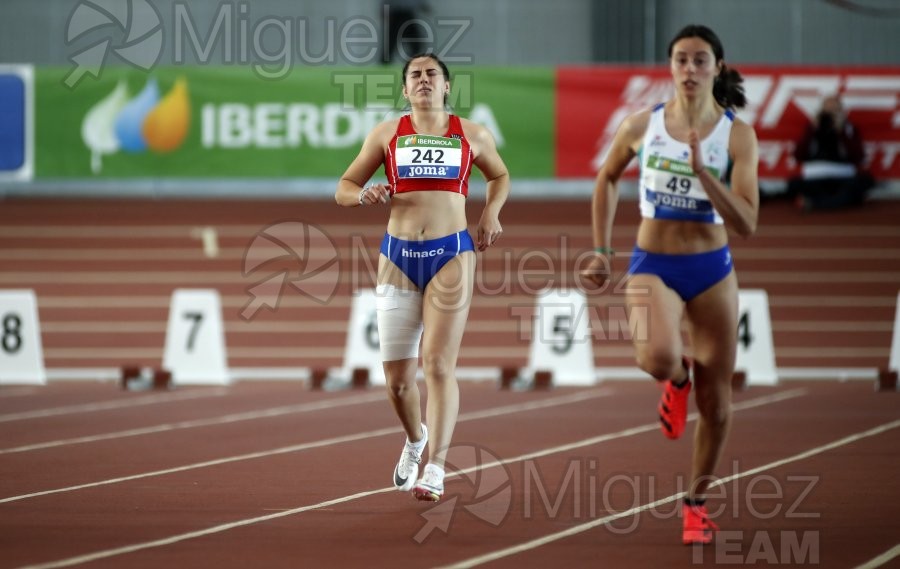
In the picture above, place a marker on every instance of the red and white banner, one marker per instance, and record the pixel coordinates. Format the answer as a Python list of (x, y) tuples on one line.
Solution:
[(593, 101)]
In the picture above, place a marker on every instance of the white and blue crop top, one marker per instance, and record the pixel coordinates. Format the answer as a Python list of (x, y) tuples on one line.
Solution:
[(669, 188)]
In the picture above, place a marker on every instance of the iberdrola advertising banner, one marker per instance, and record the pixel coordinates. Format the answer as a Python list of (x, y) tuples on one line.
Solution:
[(220, 122)]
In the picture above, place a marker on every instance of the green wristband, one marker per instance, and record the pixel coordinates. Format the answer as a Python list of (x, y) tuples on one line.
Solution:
[(605, 250)]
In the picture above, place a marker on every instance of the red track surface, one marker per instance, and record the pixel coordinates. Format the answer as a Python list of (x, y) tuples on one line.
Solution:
[(179, 479), (104, 272), (271, 475)]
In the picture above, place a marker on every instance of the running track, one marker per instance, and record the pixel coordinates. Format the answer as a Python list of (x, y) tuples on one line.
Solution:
[(104, 272), (273, 475)]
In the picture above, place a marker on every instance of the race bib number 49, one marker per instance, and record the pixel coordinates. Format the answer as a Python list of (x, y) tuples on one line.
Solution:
[(420, 156), (674, 190)]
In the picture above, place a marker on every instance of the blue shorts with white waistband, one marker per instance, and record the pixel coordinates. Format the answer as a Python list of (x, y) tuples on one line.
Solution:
[(688, 275), (421, 260)]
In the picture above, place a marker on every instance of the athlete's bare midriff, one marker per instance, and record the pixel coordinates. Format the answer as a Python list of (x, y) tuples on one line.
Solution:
[(421, 215), (680, 237)]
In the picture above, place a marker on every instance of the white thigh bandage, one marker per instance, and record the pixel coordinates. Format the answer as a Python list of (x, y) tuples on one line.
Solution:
[(399, 322)]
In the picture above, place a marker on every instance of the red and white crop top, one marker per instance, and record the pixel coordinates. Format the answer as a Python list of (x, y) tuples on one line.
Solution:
[(421, 162)]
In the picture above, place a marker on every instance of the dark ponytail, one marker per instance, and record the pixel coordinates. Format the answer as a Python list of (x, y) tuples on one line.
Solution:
[(728, 90)]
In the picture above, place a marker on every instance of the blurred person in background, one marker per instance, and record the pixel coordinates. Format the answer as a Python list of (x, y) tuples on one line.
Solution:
[(405, 26), (681, 265), (831, 158), (427, 265)]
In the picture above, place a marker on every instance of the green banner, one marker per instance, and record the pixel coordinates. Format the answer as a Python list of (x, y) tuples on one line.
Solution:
[(220, 122)]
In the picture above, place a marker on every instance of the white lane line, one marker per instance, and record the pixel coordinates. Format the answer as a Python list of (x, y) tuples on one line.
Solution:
[(222, 420), (749, 404), (881, 559), (535, 543), (17, 391), (319, 326), (118, 278), (175, 230), (250, 521), (200, 533), (495, 412), (238, 253), (112, 302), (107, 405), (209, 237)]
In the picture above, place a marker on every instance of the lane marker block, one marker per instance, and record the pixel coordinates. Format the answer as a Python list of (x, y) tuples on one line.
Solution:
[(739, 381), (755, 349), (362, 349), (508, 376), (543, 379), (136, 378), (561, 342), (887, 378), (195, 339), (21, 352), (317, 377)]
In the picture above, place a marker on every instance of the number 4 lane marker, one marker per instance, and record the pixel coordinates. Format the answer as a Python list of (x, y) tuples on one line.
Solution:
[(21, 354), (755, 349), (894, 362), (195, 339)]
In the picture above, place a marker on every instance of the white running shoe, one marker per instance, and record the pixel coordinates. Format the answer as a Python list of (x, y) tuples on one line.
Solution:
[(431, 487), (407, 468)]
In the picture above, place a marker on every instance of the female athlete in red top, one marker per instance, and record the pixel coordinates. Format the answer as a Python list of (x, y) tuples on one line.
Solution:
[(426, 270)]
